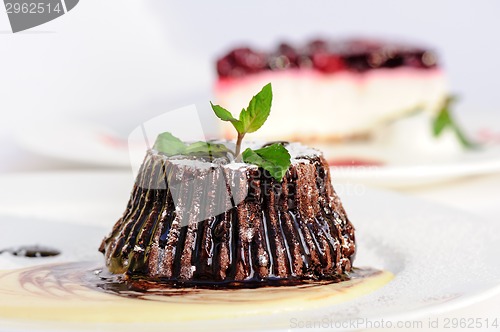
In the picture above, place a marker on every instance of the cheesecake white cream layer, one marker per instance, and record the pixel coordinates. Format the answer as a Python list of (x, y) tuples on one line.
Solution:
[(312, 106)]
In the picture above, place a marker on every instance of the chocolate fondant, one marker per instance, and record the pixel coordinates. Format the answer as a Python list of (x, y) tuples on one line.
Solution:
[(217, 222)]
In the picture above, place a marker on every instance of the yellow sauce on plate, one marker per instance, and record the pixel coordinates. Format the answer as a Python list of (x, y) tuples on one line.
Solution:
[(69, 293)]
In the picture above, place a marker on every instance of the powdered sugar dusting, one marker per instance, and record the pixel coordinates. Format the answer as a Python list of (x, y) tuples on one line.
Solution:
[(193, 164), (298, 150), (299, 155), (238, 166)]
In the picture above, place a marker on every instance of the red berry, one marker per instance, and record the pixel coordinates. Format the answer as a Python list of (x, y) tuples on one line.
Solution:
[(249, 59), (224, 67), (327, 63), (285, 50)]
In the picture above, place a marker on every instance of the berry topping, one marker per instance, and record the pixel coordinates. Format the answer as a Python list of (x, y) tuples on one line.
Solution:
[(327, 63), (224, 66), (317, 45), (288, 55), (327, 57)]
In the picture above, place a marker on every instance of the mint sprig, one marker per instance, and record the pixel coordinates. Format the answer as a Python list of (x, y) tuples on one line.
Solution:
[(251, 118), (273, 158), (169, 145), (445, 120)]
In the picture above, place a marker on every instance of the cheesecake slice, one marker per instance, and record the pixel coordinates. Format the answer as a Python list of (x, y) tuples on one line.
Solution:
[(331, 91)]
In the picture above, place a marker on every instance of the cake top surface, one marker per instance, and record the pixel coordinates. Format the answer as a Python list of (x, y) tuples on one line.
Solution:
[(299, 153)]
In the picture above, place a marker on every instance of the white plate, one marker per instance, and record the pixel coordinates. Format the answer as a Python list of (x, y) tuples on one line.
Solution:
[(81, 142), (442, 258), (93, 144)]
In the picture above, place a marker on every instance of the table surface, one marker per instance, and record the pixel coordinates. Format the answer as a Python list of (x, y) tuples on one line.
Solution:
[(478, 195)]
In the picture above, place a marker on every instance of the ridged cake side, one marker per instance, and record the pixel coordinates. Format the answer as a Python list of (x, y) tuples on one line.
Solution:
[(269, 231)]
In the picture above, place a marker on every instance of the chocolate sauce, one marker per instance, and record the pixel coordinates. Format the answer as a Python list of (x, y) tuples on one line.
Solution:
[(65, 278), (117, 283), (33, 251)]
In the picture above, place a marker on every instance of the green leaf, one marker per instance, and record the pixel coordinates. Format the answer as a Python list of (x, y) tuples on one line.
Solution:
[(222, 113), (169, 145), (254, 116), (213, 150), (273, 158), (442, 121), (251, 118), (225, 115), (445, 120), (258, 110)]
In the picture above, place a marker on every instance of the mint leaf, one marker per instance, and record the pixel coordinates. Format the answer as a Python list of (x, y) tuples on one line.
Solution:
[(445, 120), (213, 150), (274, 158), (257, 112), (442, 121), (169, 145), (251, 118), (225, 115)]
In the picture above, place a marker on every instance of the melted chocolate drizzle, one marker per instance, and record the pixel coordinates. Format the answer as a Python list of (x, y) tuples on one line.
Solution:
[(33, 251)]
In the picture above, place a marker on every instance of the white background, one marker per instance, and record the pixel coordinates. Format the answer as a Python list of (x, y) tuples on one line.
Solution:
[(116, 59)]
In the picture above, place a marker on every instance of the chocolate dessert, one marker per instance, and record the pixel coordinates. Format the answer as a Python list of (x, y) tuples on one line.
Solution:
[(291, 230)]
